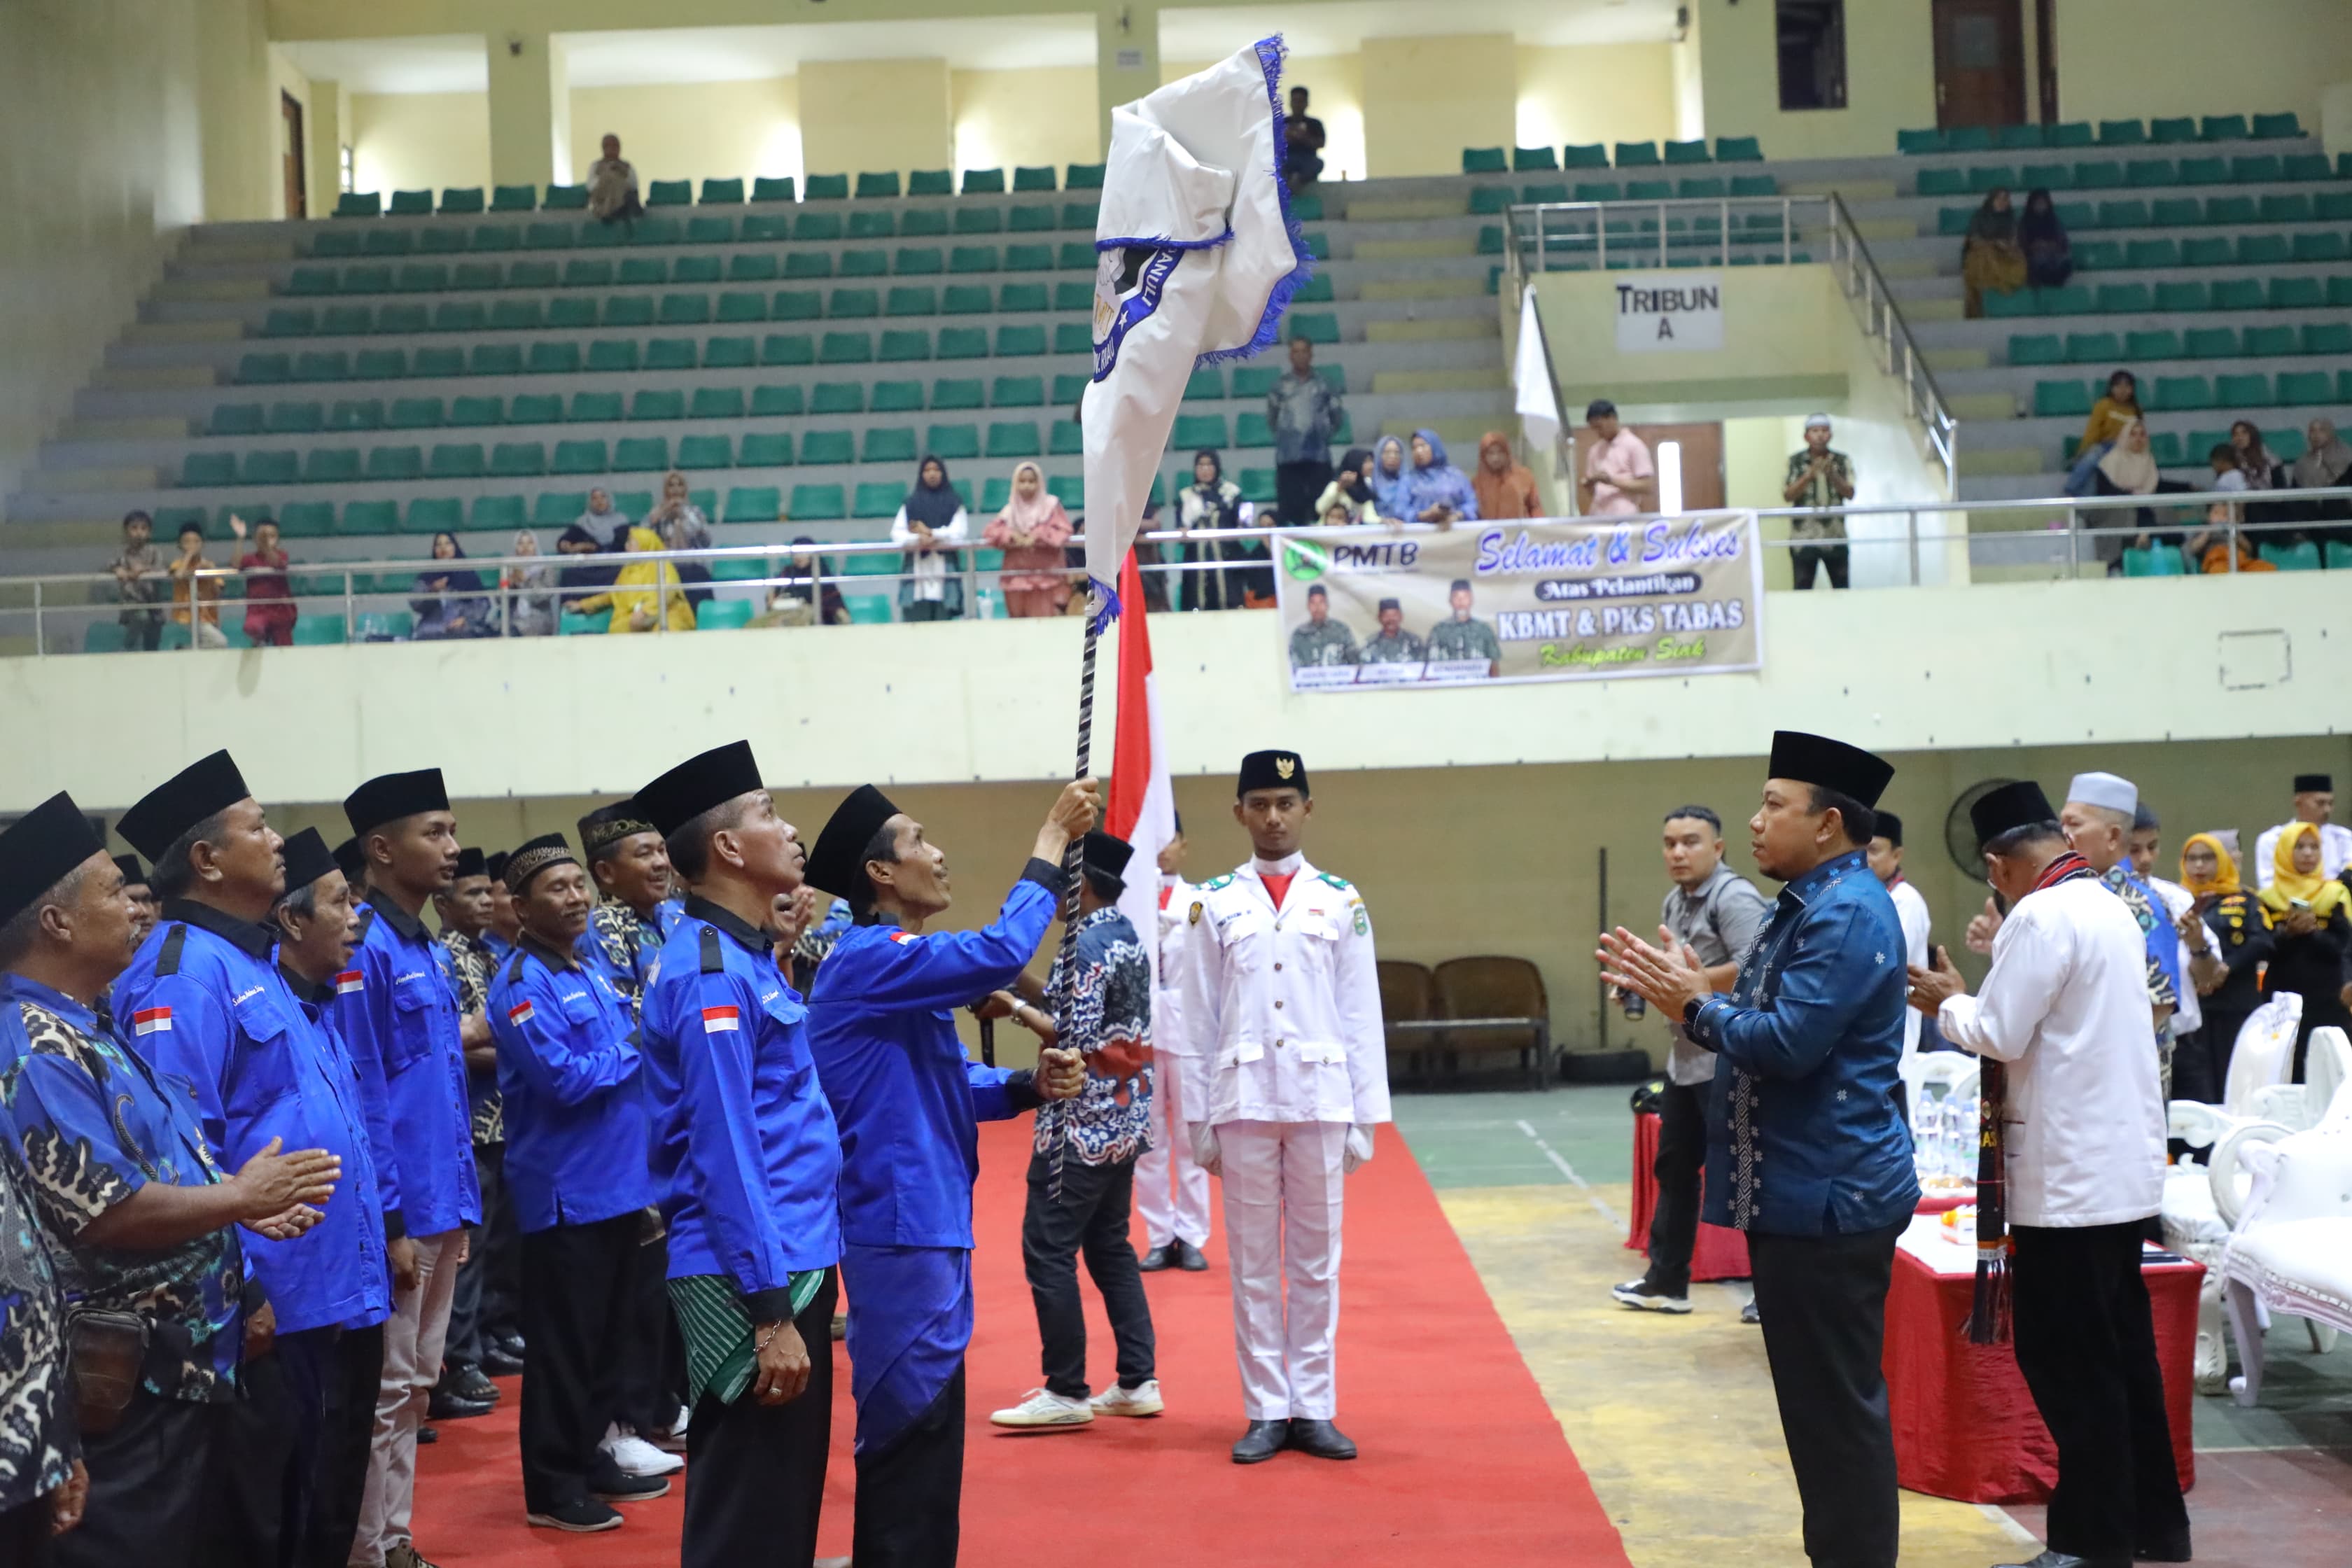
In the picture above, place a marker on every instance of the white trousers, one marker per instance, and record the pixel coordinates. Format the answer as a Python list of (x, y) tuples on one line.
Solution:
[(1171, 1191), (1283, 1186), (414, 1337)]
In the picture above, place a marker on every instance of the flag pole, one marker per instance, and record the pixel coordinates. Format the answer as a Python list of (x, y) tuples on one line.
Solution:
[(1066, 966)]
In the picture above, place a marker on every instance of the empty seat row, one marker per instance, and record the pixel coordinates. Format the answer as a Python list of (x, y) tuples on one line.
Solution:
[(2183, 393), (2262, 168), (2197, 342), (2213, 250), (2183, 212), (1572, 231), (2138, 299), (1485, 199), (2111, 134), (709, 229), (723, 192), (1596, 155), (907, 262)]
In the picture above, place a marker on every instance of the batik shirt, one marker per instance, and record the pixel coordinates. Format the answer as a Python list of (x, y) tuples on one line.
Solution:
[(1331, 643), (470, 961), (1471, 639), (1821, 490), (1403, 649), (36, 1447), (622, 946), (2155, 926), (95, 1126), (1110, 1023), (1304, 413)]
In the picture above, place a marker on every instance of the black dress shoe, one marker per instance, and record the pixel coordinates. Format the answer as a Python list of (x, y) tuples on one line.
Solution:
[(1320, 1438), (1262, 1442), (1748, 1314), (2171, 1548), (1157, 1258), (426, 1435), (496, 1362), (2068, 1560), (464, 1381), (1189, 1259), (509, 1345), (449, 1407)]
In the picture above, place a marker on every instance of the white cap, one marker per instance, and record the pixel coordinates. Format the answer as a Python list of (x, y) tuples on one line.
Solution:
[(2105, 789), (1819, 420)]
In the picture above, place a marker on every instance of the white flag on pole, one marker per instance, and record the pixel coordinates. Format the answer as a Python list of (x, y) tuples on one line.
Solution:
[(1537, 404), (1197, 258)]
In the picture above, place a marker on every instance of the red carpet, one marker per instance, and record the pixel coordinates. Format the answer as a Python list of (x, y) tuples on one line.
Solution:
[(1462, 1461)]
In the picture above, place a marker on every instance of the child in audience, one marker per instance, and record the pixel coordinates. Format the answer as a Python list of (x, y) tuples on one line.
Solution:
[(269, 596), (1033, 531), (1350, 488), (204, 591), (2208, 547), (138, 572)]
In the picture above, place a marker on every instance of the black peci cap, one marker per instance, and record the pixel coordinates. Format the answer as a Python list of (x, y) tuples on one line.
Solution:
[(205, 787), (839, 859), (40, 848), (388, 798), (2019, 804), (1106, 855), (354, 864), (2313, 784), (543, 853), (470, 863), (494, 865), (697, 785), (134, 875), (1271, 770), (1391, 604), (1829, 765), (308, 858), (1889, 826)]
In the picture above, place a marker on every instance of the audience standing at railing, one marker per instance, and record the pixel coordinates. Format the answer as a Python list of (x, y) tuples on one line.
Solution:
[(1990, 257), (1033, 531), (2116, 408), (1822, 478), (452, 601), (2041, 234), (1214, 501), (931, 522), (683, 526), (138, 572), (196, 600), (269, 610), (1350, 490), (1503, 487), (530, 608), (1304, 411), (1617, 478)]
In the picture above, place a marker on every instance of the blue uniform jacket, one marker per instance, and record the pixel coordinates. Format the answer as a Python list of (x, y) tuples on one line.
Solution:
[(261, 1069), (1804, 1134), (399, 1018), (882, 1024), (575, 1110), (746, 1156)]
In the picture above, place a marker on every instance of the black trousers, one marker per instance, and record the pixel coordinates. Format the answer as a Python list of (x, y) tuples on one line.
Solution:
[(146, 1488), (25, 1534), (1830, 558), (1823, 1302), (254, 1503), (653, 1358), (1296, 488), (488, 1299), (351, 1373), (579, 1296), (910, 1493), (759, 1469), (1091, 1216), (1682, 1157), (2086, 1344)]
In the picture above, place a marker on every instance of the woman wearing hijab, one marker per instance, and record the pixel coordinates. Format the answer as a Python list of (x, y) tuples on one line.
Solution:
[(930, 523), (1504, 487), (531, 612), (580, 581), (2129, 470), (452, 602), (1212, 501), (2115, 408), (2263, 471), (1990, 256), (644, 594), (1352, 488), (2311, 929), (1434, 489), (1032, 530), (2041, 234), (2241, 937), (683, 526), (2326, 464), (1387, 477)]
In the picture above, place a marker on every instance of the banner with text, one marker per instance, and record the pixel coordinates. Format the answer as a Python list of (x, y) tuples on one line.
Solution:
[(1663, 312), (1583, 599)]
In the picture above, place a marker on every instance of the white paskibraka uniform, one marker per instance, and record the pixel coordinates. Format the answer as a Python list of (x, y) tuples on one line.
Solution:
[(1171, 1191)]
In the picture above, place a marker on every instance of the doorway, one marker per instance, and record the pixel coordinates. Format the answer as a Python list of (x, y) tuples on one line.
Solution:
[(1979, 62), (298, 184), (1688, 457)]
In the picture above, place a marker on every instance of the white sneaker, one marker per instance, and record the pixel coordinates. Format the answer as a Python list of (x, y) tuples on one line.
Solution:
[(1044, 1408), (635, 1457), (1143, 1400), (670, 1439)]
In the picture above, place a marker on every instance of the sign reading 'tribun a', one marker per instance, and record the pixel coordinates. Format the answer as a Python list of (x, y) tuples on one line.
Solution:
[(1659, 312)]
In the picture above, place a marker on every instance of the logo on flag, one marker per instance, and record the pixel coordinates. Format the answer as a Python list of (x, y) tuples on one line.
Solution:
[(519, 1013), (151, 1021), (720, 1020), (348, 983)]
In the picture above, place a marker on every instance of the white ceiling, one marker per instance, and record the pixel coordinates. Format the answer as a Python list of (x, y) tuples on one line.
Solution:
[(456, 62)]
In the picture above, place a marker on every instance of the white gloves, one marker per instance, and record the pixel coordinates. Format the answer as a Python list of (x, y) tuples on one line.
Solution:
[(1206, 1152), (1359, 1150)]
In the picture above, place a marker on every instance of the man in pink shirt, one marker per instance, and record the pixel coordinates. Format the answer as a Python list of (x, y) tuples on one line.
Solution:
[(1618, 477)]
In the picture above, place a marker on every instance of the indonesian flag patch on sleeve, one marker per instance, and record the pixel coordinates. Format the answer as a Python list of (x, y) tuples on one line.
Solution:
[(151, 1021), (519, 1013), (348, 983), (719, 1020), (902, 936)]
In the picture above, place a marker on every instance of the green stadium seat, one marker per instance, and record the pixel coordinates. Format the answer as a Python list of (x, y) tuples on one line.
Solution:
[(874, 501), (2204, 171), (798, 305), (2275, 127), (1485, 161), (653, 405), (969, 258), (1018, 342), (1067, 439), (2099, 255), (2251, 391), (2036, 348), (787, 348), (912, 300), (751, 266), (864, 264), (739, 307), (517, 459), (1636, 156), (2180, 394), (410, 204), (1251, 431), (765, 449), (2328, 337), (1033, 177), (897, 397), (2171, 131), (2225, 128), (2290, 207), (827, 448), (580, 457), (516, 316), (2211, 343), (872, 184), (625, 310), (549, 237), (2124, 213), (669, 193), (2183, 296), (1033, 257), (364, 517), (1991, 176), (535, 408), (1193, 432), (962, 342), (2205, 250), (845, 348), (477, 411), (2122, 134), (475, 276), (1525, 160), (1040, 219), (457, 460), (2068, 134), (301, 323), (722, 192), (2152, 253), (358, 203), (900, 346), (2231, 211), (495, 359), (753, 504), (705, 452), (818, 503), (595, 407), (641, 454), (356, 414), (269, 468), (1687, 152), (952, 443), (461, 316), (2259, 169), (2093, 348), (2321, 247), (2018, 138), (1315, 328), (2097, 174), (888, 444), (435, 362), (1251, 380), (1649, 191), (415, 414), (2240, 294), (2270, 343), (335, 365), (293, 418), (330, 466), (1015, 297), (388, 242), (695, 269), (722, 614), (2302, 556), (2159, 561), (2340, 292), (314, 280), (1082, 177), (854, 304), (2288, 294), (2305, 166), (1916, 142), (978, 220), (263, 369), (2304, 388), (1018, 391), (1075, 256), (2150, 172), (837, 397)]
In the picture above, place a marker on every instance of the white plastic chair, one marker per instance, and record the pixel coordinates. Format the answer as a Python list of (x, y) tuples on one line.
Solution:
[(2290, 1249)]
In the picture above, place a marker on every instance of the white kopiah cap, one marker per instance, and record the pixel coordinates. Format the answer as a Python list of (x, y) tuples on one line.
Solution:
[(1817, 420), (2106, 790)]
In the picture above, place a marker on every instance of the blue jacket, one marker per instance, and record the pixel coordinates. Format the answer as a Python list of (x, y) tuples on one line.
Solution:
[(746, 1157), (1804, 1133), (882, 1026), (399, 1018), (261, 1069), (575, 1113)]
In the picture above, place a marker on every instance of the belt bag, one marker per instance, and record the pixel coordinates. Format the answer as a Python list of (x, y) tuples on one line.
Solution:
[(110, 1355)]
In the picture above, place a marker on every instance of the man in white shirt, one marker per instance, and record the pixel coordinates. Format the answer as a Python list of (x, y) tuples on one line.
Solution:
[(1886, 865), (1171, 1191), (1617, 479), (1282, 1002), (2062, 1022), (2314, 802)]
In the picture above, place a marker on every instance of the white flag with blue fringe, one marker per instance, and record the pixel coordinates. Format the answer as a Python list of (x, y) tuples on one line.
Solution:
[(1196, 258)]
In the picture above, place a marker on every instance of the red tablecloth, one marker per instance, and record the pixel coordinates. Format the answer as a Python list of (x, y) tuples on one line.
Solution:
[(1965, 1426), (1720, 1252)]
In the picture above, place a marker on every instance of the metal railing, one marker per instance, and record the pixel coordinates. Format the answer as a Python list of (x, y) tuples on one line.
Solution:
[(1544, 237), (2075, 533)]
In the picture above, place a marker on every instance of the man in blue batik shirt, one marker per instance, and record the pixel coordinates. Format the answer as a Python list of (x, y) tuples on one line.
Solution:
[(1807, 1149), (882, 1029)]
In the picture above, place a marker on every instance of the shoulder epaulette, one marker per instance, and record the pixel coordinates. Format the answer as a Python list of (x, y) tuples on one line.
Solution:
[(367, 920), (514, 968), (168, 960), (1214, 883), (1340, 882), (714, 957)]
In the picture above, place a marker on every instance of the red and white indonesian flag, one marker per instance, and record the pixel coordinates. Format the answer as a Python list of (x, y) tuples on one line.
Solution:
[(1196, 258), (1142, 808)]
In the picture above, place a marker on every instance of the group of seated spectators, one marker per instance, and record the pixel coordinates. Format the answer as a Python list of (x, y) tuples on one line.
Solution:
[(2006, 250)]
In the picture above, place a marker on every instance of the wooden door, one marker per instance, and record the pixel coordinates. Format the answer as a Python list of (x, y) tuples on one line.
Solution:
[(1979, 62), (298, 184), (1696, 454)]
